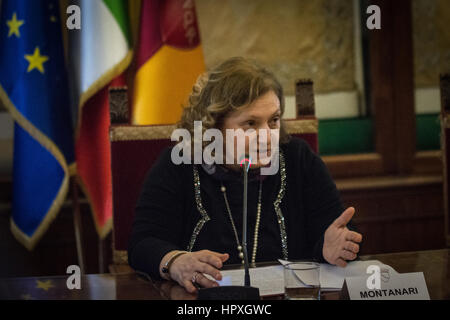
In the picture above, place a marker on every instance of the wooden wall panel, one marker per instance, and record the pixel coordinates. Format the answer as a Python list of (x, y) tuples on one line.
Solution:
[(402, 218)]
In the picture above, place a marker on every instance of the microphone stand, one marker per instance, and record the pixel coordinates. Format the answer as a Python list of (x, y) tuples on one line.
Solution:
[(245, 292), (244, 226)]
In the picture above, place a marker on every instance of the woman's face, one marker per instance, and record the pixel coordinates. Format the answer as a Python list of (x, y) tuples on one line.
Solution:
[(262, 115)]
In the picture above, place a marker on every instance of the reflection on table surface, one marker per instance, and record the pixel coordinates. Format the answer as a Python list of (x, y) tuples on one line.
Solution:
[(122, 286)]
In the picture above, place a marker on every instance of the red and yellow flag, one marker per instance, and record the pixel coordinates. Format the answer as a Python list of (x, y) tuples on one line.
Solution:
[(169, 60)]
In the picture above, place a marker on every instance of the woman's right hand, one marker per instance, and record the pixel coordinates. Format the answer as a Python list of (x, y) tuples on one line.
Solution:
[(198, 263)]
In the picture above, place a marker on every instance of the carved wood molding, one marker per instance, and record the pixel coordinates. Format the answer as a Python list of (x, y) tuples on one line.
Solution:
[(304, 97), (118, 105), (132, 133), (301, 126), (445, 92), (446, 121), (387, 182), (120, 257)]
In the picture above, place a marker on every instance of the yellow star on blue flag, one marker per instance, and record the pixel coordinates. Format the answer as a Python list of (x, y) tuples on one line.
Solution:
[(36, 60), (14, 26), (44, 285)]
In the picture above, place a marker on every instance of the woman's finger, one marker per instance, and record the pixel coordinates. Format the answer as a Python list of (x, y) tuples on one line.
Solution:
[(205, 282), (348, 255), (353, 236), (341, 263), (344, 218), (208, 269), (188, 285), (222, 256), (211, 259), (351, 246)]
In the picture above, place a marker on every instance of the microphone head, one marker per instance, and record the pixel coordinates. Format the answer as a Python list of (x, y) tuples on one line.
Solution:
[(245, 162)]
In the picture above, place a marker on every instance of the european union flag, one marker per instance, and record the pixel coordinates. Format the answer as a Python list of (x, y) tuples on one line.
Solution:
[(34, 88)]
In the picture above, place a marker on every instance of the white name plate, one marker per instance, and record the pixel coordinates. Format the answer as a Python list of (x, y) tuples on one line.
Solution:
[(406, 286)]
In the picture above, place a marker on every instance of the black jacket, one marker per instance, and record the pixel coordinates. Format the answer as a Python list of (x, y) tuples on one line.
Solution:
[(167, 213)]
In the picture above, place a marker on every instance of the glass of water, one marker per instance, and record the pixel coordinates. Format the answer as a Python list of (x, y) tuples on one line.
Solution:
[(301, 281)]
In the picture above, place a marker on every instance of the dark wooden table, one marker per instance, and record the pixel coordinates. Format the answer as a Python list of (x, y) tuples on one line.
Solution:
[(434, 264)]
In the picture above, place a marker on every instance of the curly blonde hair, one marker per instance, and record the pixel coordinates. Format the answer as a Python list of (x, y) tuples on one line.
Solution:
[(233, 84)]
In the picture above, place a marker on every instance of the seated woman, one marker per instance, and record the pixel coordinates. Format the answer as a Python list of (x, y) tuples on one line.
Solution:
[(188, 219)]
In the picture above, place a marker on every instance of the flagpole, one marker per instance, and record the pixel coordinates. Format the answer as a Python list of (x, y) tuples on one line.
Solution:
[(101, 255), (77, 224)]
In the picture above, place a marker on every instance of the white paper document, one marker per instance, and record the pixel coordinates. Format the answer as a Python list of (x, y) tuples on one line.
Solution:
[(270, 280)]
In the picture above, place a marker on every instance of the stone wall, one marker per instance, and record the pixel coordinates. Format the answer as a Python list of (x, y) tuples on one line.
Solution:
[(431, 36), (294, 39)]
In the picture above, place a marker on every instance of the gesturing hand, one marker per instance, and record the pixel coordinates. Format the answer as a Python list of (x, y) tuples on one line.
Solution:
[(341, 244)]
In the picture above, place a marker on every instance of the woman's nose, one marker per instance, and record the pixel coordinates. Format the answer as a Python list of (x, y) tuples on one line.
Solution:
[(264, 135)]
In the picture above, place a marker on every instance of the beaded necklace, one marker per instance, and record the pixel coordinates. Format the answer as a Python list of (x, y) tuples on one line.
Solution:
[(258, 219)]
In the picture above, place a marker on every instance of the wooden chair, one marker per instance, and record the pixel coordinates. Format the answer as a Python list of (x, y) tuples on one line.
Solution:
[(445, 146), (134, 149)]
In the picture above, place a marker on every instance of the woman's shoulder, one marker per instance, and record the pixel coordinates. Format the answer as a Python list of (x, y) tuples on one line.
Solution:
[(166, 167), (299, 155), (296, 147)]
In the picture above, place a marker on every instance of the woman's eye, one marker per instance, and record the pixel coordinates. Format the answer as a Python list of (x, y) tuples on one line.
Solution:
[(250, 123)]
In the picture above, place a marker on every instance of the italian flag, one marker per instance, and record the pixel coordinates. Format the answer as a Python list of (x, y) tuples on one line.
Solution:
[(169, 60), (99, 53)]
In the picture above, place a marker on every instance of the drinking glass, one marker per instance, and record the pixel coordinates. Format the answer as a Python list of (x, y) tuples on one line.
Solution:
[(301, 281)]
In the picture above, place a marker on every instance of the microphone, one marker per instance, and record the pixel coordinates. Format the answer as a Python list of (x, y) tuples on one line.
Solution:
[(246, 162)]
